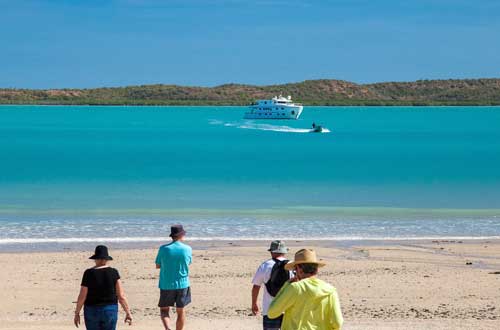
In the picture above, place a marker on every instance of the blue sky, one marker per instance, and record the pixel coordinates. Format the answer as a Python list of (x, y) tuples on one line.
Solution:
[(91, 43)]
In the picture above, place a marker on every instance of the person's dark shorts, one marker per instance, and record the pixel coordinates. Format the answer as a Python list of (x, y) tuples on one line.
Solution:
[(271, 324), (179, 298)]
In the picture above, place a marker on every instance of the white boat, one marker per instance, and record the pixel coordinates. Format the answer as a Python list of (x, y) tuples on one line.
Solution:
[(276, 108)]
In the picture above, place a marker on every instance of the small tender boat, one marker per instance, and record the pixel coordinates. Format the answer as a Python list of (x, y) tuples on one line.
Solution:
[(316, 128)]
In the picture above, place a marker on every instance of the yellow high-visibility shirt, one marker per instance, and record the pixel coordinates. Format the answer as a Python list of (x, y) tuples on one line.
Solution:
[(309, 304)]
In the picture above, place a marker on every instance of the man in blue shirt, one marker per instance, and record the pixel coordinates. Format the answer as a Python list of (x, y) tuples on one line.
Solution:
[(173, 261)]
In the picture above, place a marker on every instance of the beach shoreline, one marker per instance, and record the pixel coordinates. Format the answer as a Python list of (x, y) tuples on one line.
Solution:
[(204, 244), (388, 285)]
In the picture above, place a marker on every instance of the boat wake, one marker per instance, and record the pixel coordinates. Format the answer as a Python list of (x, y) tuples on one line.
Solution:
[(265, 127)]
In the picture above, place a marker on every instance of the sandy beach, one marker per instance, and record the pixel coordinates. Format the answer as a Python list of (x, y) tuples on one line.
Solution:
[(401, 285)]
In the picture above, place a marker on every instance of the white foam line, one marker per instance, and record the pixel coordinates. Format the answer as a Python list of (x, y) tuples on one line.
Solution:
[(6, 241), (79, 240)]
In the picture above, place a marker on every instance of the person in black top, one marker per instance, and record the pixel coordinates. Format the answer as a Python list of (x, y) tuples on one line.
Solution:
[(100, 292)]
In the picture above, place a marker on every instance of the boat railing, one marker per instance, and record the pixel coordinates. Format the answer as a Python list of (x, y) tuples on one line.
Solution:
[(276, 103)]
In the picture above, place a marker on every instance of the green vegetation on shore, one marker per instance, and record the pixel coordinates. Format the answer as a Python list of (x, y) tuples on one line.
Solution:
[(309, 92)]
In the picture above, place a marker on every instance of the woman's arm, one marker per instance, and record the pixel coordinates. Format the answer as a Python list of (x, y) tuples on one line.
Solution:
[(123, 301), (337, 319), (284, 299), (79, 304)]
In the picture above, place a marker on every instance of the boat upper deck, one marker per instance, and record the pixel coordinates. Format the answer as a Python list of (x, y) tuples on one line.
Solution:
[(277, 100)]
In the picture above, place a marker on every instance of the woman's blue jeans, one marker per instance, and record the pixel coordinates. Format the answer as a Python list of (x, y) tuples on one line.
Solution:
[(101, 317)]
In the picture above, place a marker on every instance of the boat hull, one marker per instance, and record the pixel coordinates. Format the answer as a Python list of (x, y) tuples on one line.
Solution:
[(274, 113)]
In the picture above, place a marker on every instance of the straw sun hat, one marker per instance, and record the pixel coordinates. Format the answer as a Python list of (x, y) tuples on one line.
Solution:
[(305, 256)]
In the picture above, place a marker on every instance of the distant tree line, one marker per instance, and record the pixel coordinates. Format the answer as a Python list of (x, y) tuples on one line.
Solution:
[(309, 92)]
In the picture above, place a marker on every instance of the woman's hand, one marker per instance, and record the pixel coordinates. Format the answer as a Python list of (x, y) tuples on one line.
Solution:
[(128, 319), (123, 301), (79, 304), (76, 320)]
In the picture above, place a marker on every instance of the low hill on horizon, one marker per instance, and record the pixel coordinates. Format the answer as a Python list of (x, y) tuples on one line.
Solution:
[(309, 92)]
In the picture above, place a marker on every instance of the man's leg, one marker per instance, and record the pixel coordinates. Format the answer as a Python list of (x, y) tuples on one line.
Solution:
[(181, 319), (183, 299), (165, 317), (167, 300)]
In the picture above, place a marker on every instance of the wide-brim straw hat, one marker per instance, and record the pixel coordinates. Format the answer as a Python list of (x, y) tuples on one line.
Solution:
[(305, 256)]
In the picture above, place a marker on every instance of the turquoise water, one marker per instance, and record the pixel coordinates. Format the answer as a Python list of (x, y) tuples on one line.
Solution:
[(65, 168)]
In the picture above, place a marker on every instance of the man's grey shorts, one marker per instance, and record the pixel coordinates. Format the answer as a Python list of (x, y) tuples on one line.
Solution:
[(178, 298)]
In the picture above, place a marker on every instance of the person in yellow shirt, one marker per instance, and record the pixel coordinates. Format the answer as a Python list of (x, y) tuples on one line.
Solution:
[(306, 302)]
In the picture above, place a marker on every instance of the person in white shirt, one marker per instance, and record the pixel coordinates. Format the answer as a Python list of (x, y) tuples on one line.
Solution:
[(262, 276)]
